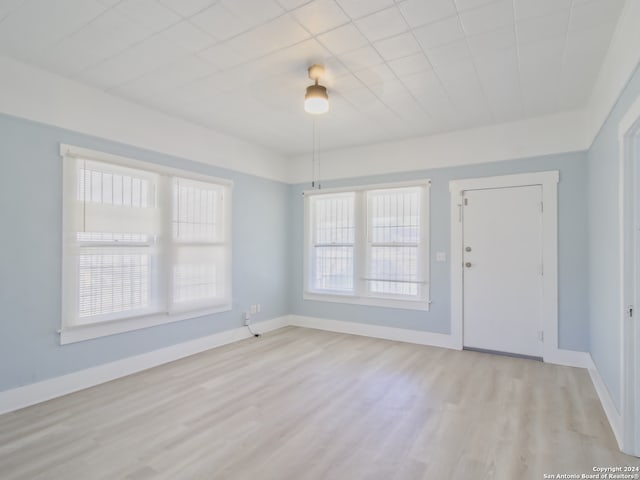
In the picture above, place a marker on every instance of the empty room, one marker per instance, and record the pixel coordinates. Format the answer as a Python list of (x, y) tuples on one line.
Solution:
[(319, 239)]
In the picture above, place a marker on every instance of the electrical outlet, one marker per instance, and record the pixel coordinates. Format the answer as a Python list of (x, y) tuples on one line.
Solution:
[(247, 317), (258, 308), (254, 309)]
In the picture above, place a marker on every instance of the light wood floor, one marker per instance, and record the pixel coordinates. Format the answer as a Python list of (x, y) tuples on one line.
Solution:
[(306, 404)]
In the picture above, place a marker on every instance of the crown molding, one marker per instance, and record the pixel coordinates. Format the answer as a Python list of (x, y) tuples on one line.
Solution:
[(35, 94)]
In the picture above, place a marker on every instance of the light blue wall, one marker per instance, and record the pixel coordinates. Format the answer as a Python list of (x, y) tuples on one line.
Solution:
[(30, 256), (573, 226), (267, 254), (604, 239)]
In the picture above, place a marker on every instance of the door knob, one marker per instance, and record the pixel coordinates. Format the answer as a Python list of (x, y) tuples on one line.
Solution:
[(468, 264), (467, 249)]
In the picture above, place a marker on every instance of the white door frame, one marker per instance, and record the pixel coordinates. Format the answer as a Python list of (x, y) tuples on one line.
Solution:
[(629, 220), (549, 311)]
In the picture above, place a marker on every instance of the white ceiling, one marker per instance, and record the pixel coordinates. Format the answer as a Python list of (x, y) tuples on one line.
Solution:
[(395, 69)]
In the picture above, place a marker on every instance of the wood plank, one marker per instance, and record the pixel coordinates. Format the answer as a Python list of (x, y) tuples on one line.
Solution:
[(309, 404)]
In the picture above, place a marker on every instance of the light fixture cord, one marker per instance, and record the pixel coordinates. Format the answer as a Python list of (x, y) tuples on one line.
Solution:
[(318, 158), (315, 158), (313, 155)]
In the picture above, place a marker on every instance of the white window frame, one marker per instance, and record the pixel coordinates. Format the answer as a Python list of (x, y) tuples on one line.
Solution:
[(360, 296), (70, 333)]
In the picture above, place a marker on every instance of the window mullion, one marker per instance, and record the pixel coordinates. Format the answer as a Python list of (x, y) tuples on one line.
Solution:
[(424, 244), (394, 256), (166, 248), (309, 241), (360, 246), (119, 249)]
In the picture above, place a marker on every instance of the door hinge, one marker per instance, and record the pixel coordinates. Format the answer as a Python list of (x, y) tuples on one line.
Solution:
[(466, 202), (541, 335), (630, 311), (542, 206)]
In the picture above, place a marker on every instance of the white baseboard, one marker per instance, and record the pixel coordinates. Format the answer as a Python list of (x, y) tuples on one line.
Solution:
[(614, 417), (27, 395), (31, 394), (377, 331), (568, 358)]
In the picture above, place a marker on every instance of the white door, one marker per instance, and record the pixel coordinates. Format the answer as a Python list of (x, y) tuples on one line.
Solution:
[(502, 256), (630, 332), (629, 171)]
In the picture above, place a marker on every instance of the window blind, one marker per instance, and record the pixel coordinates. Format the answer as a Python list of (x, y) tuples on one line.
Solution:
[(115, 221), (369, 245), (333, 244), (199, 243), (393, 241), (141, 242)]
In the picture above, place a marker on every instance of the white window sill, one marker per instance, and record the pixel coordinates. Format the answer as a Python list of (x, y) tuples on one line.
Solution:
[(79, 333), (369, 301)]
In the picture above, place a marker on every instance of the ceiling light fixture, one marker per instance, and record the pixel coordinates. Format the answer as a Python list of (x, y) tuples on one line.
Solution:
[(316, 100)]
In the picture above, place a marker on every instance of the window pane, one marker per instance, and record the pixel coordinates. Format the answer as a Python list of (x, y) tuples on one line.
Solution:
[(106, 188), (394, 263), (113, 282), (333, 219), (113, 267), (333, 269), (199, 275), (194, 281), (394, 236), (197, 212), (394, 215)]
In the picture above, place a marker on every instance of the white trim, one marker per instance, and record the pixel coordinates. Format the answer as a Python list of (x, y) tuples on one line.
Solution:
[(569, 358), (533, 137), (369, 301), (549, 314), (504, 181), (425, 182), (563, 132), (608, 405), (562, 357), (419, 337), (31, 394), (35, 94), (42, 391), (79, 333), (629, 119), (162, 312), (629, 223), (73, 151), (359, 294), (620, 63)]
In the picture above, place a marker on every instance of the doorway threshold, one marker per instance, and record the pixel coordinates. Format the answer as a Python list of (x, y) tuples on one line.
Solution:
[(504, 354)]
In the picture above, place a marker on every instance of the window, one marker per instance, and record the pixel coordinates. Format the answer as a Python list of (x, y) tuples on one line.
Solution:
[(199, 244), (143, 244), (368, 245), (333, 243)]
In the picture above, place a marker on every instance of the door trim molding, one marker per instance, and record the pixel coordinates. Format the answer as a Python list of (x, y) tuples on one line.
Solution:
[(549, 308), (629, 223)]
